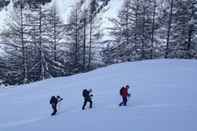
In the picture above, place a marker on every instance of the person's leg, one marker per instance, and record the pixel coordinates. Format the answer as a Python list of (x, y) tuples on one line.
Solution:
[(54, 110), (122, 101), (125, 101), (84, 104), (90, 103)]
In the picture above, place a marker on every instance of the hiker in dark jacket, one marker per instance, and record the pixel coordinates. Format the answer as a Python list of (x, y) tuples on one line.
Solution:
[(124, 93), (53, 101), (87, 98)]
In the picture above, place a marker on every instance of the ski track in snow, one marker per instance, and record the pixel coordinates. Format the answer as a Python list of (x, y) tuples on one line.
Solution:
[(22, 122)]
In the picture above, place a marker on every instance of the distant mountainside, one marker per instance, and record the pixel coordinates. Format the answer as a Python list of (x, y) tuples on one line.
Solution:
[(4, 3)]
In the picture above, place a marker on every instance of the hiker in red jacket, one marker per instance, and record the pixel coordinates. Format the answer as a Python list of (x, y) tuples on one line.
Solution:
[(124, 93)]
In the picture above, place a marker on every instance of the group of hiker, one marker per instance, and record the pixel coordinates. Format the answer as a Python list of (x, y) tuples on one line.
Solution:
[(87, 95)]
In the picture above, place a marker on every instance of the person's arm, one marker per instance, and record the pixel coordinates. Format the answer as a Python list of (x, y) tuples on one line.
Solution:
[(60, 99), (89, 93), (129, 94)]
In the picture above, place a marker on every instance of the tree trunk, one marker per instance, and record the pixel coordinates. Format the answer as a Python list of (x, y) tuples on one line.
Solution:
[(23, 45), (153, 28), (84, 45), (169, 29), (90, 44), (76, 39), (42, 77)]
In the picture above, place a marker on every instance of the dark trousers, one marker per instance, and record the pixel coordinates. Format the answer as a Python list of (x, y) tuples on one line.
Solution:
[(124, 101), (54, 107), (85, 102)]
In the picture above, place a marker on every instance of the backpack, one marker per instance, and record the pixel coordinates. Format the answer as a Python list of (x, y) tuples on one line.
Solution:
[(85, 93), (121, 90), (53, 100)]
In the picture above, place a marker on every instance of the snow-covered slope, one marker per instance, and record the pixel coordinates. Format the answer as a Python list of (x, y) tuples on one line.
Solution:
[(163, 99)]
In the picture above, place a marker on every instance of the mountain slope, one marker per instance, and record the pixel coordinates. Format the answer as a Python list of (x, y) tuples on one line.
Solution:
[(163, 94)]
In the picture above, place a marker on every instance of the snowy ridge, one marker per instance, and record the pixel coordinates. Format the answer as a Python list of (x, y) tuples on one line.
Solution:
[(112, 12), (162, 99), (4, 15), (64, 7)]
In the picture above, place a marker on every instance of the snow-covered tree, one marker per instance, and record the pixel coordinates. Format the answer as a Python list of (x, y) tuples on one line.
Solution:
[(15, 46), (134, 30)]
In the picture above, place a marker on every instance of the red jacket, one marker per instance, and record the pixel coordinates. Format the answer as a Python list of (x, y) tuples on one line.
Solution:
[(125, 92)]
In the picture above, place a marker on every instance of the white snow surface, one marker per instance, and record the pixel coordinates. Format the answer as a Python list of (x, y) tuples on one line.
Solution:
[(163, 98)]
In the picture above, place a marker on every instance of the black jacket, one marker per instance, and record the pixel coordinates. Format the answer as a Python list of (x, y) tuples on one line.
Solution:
[(86, 94), (53, 100)]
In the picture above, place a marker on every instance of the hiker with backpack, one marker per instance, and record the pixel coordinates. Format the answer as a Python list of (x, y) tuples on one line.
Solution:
[(124, 94), (87, 98), (54, 101)]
